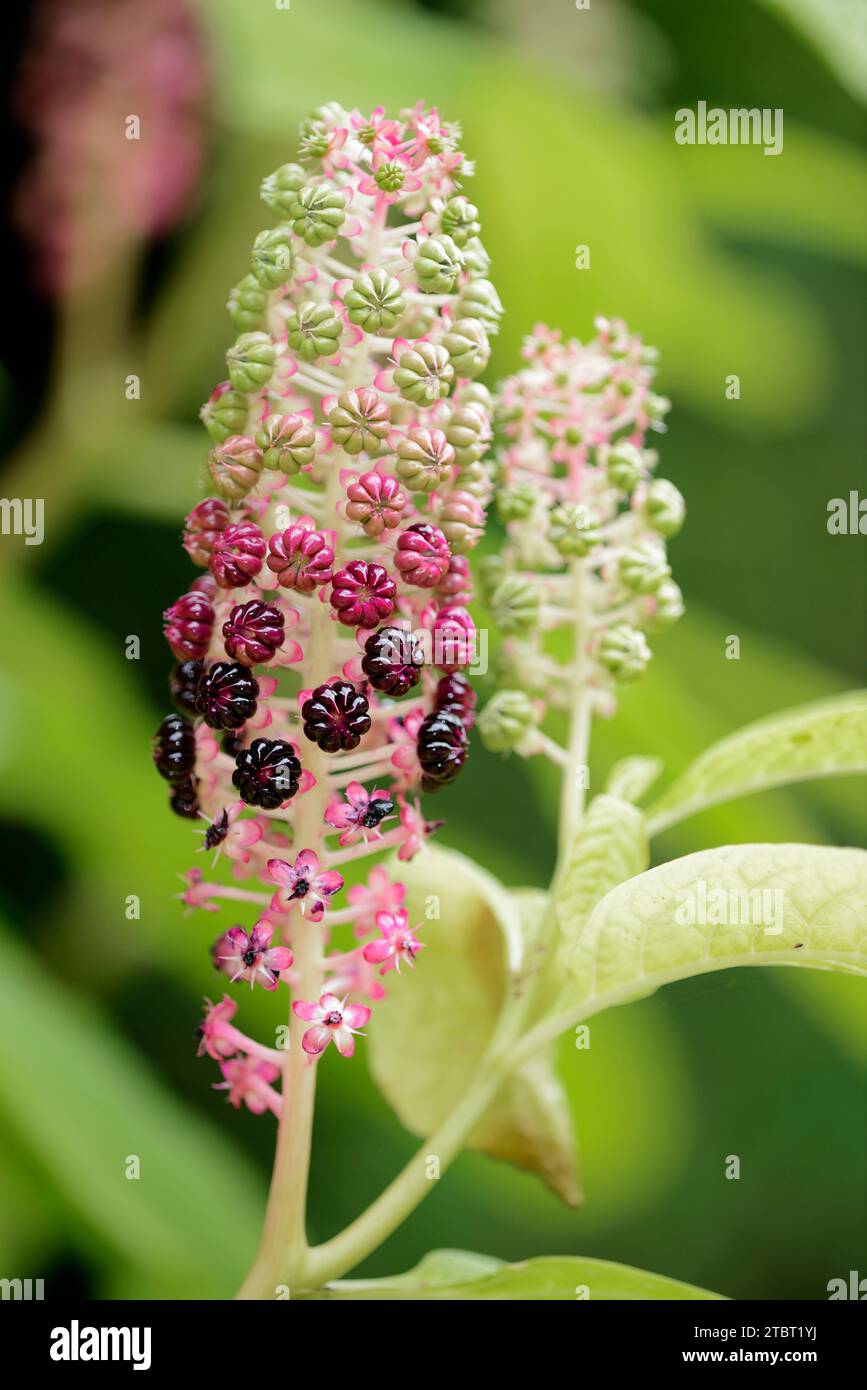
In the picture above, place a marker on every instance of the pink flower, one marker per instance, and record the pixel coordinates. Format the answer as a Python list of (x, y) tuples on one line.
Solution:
[(197, 893), (397, 943), (361, 813), (333, 1021), (350, 973), (376, 130), (247, 1081), (304, 883), (251, 957), (229, 835), (216, 1035), (379, 894), (417, 830)]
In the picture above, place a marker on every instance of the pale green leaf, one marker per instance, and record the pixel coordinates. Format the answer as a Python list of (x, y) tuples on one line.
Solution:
[(458, 1275), (434, 1027), (610, 845), (741, 905), (81, 1102), (837, 30), (816, 740), (632, 777)]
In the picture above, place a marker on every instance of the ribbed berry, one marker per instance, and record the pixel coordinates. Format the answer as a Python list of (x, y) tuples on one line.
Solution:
[(227, 695), (392, 661), (174, 748), (336, 716), (188, 625), (232, 742), (267, 773), (184, 799), (375, 502), (183, 686), (238, 554), (455, 585), (363, 594), (202, 527), (301, 557), (253, 632), (422, 555), (442, 749), (455, 695)]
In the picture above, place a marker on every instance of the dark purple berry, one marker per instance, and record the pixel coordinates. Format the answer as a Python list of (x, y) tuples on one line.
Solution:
[(232, 743), (392, 661), (253, 632), (174, 748), (267, 773), (442, 749), (336, 716), (217, 830), (227, 695), (184, 799), (455, 695), (183, 684)]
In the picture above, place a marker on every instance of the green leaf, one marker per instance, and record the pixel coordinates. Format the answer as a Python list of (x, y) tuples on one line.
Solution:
[(456, 1274), (632, 777), (436, 1024), (610, 845), (816, 740), (640, 936), (81, 1101), (837, 32)]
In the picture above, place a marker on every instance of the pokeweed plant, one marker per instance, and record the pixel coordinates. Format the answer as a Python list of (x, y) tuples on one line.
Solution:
[(321, 689)]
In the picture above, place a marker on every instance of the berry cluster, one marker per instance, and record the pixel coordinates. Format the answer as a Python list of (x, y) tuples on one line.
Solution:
[(586, 521), (320, 681)]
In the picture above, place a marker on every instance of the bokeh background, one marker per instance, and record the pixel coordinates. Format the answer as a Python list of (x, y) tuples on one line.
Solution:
[(117, 259)]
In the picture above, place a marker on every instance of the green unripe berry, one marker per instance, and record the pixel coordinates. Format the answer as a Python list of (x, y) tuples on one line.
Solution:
[(251, 362), (479, 300), (624, 652), (468, 347), (313, 331), (490, 571), (438, 265), (278, 190), (273, 257), (643, 567), (624, 466), (664, 507), (247, 304), (460, 220), (574, 530), (375, 302), (317, 214), (288, 443), (666, 607), (224, 414), (476, 259), (515, 604), (516, 502), (506, 721), (424, 374), (468, 432)]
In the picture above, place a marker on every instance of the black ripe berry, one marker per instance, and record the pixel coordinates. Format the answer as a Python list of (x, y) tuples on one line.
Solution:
[(442, 749), (336, 716), (227, 695), (267, 773), (455, 695), (184, 799), (174, 748), (183, 684), (392, 661)]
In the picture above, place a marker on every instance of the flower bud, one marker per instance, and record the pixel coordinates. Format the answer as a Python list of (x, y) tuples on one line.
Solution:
[(515, 604), (272, 257), (624, 652), (224, 412), (468, 347), (235, 466), (643, 567), (313, 331), (424, 459), (375, 302), (247, 304), (664, 507), (506, 720), (424, 374), (360, 422), (438, 265), (251, 361), (288, 443)]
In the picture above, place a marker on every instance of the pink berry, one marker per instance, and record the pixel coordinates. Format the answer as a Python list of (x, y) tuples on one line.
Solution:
[(422, 555), (375, 502), (301, 557), (238, 554), (188, 625), (203, 526), (363, 594), (253, 632), (454, 638), (456, 585)]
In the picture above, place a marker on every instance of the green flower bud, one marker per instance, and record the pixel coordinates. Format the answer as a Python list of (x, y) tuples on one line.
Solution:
[(278, 190), (664, 507), (460, 220), (624, 466), (234, 466), (468, 433), (247, 304), (657, 407), (479, 300), (438, 265), (375, 302), (468, 347), (461, 518), (516, 502), (424, 459), (314, 330), (424, 374), (224, 414), (288, 443), (317, 214), (506, 721), (360, 422), (515, 604), (476, 259), (251, 361), (644, 567), (475, 479), (665, 607), (574, 530), (490, 570), (273, 257), (624, 652)]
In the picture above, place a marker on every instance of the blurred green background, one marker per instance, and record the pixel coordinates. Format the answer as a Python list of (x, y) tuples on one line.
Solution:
[(730, 262)]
